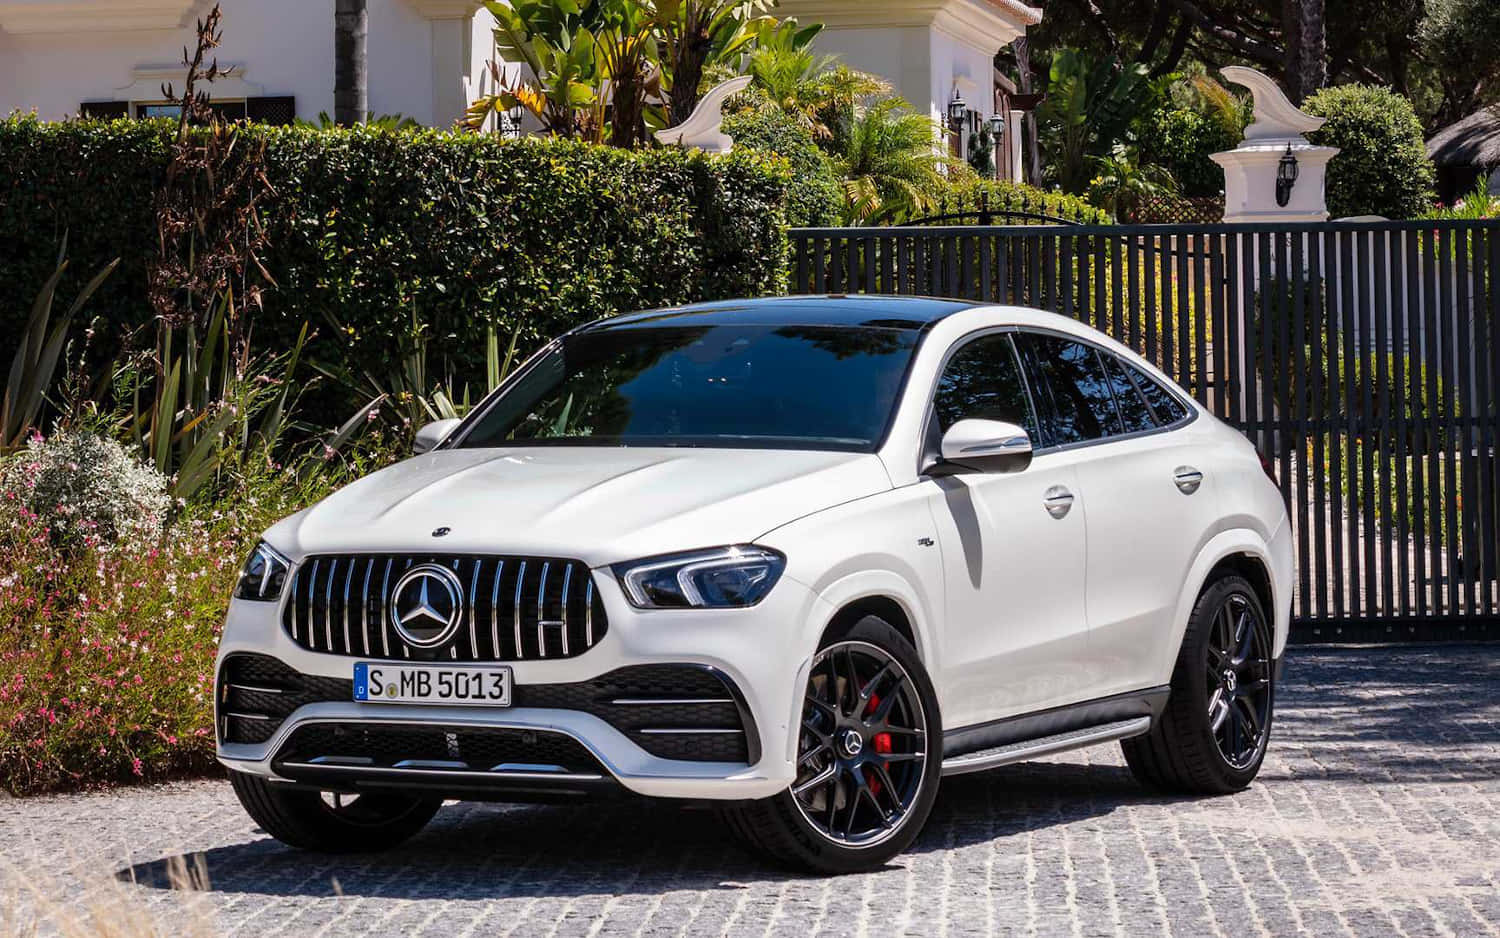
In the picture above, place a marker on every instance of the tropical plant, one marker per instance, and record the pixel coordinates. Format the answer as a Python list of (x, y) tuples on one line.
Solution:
[(695, 34), (554, 41), (1122, 182), (37, 354), (1089, 108), (390, 122), (818, 92), (892, 166)]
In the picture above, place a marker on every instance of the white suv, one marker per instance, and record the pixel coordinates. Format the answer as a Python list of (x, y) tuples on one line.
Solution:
[(800, 557)]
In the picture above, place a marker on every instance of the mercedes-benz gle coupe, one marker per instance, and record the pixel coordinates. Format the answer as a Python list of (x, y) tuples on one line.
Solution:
[(797, 557)]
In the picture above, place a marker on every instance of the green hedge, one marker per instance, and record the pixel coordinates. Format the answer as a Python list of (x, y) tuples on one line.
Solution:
[(1181, 140), (368, 228), (967, 192), (818, 198)]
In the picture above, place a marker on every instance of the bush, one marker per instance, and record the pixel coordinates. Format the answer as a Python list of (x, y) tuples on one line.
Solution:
[(817, 198), (1180, 140), (86, 491), (1382, 166), (367, 227)]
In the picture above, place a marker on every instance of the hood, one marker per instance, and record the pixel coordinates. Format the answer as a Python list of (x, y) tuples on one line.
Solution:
[(600, 505)]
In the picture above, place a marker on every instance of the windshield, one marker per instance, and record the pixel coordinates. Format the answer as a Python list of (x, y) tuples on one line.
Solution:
[(789, 387)]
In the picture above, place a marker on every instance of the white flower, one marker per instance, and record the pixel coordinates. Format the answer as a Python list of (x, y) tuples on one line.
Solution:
[(87, 486)]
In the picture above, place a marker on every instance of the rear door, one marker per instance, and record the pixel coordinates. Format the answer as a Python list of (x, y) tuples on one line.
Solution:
[(1150, 504)]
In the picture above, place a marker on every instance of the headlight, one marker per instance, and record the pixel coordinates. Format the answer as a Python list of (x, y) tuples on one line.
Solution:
[(263, 575), (726, 577)]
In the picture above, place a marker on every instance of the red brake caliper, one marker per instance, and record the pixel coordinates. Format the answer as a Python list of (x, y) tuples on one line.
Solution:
[(882, 742)]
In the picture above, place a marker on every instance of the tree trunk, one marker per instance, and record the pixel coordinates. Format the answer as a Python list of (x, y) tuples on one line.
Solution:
[(351, 87), (1033, 172), (1306, 48), (687, 75)]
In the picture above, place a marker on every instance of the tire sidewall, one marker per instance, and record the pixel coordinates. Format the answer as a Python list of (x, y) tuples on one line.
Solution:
[(1192, 676)]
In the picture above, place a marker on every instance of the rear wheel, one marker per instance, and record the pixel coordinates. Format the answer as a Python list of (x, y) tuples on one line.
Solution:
[(331, 822), (1212, 736), (868, 761)]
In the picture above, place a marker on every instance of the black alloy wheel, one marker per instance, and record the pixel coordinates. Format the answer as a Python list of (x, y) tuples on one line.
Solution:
[(862, 756), (1239, 680)]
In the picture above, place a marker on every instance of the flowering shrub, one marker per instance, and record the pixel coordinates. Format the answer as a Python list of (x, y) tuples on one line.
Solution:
[(106, 656), (87, 491)]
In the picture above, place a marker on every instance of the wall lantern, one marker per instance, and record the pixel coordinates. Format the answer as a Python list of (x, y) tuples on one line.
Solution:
[(958, 111), (1286, 176), (997, 126), (511, 122)]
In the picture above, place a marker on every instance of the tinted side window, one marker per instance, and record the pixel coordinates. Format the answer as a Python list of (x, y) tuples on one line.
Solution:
[(1168, 408), (1083, 406), (1134, 412), (983, 382)]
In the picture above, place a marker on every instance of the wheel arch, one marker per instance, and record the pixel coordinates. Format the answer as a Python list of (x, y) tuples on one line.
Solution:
[(1246, 553), (876, 592)]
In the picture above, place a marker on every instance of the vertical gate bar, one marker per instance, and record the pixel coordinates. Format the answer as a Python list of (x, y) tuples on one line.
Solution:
[(1431, 365), (870, 244), (1280, 346), (1065, 244), (1336, 402), (1381, 249), (1234, 283), (965, 267), (1033, 270), (1133, 267), (1484, 459), (1370, 598), (1116, 288), (952, 248), (1416, 340), (1151, 302), (1317, 413), (1468, 480), (1003, 269), (820, 267), (853, 269), (1169, 311), (799, 247), (1100, 284), (1296, 385), (1204, 320), (1492, 403), (986, 279), (1219, 325), (1403, 304), (1448, 368), (1263, 362), (1348, 272), (1186, 314), (935, 261)]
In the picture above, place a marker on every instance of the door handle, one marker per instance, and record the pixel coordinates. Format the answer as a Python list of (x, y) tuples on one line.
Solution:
[(1059, 502), (1188, 479)]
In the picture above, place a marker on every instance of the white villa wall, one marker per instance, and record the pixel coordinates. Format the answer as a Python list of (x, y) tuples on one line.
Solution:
[(284, 47)]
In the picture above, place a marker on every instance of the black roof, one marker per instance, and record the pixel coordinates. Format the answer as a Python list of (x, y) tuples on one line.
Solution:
[(889, 312)]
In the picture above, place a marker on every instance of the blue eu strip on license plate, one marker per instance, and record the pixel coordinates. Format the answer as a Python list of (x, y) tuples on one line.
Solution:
[(445, 685)]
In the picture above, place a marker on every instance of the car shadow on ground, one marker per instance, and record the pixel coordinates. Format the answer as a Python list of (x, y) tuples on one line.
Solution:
[(478, 851)]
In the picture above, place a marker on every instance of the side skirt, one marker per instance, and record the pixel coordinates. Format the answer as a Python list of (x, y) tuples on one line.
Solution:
[(1015, 739)]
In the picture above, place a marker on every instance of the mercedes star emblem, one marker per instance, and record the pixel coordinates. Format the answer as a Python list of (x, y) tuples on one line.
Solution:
[(426, 605)]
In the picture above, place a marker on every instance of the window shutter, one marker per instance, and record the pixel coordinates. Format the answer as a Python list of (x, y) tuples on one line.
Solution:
[(104, 110), (278, 110)]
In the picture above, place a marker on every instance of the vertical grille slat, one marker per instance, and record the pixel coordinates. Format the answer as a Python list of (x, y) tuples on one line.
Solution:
[(334, 597)]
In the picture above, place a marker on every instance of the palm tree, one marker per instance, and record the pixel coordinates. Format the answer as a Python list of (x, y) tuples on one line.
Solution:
[(351, 87), (818, 92), (697, 33), (891, 165)]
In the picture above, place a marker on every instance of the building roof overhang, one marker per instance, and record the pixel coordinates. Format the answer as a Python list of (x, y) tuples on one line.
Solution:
[(39, 17), (991, 24)]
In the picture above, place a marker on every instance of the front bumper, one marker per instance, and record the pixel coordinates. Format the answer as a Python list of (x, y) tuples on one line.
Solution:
[(757, 651)]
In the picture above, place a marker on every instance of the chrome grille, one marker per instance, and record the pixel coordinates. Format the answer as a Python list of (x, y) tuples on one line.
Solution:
[(515, 608)]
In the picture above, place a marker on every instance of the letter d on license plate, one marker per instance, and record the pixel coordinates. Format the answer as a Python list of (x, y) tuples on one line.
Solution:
[(446, 685)]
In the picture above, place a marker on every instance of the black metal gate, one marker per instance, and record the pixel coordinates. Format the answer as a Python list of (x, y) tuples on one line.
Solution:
[(1363, 357)]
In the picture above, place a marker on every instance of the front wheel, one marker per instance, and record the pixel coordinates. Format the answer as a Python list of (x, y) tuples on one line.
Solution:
[(869, 759), (1212, 736), (329, 822)]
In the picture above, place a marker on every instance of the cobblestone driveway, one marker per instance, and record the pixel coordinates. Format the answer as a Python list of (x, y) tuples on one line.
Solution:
[(1377, 813)]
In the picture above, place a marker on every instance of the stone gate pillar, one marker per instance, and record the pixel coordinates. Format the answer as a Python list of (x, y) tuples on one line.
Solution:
[(1250, 169)]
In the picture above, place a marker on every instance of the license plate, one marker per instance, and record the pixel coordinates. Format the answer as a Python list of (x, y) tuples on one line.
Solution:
[(477, 686)]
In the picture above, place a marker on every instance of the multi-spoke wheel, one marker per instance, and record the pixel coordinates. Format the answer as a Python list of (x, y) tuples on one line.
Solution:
[(1212, 736), (330, 822), (868, 759)]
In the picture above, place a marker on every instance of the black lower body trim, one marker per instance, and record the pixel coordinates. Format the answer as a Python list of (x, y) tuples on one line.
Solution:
[(1051, 722)]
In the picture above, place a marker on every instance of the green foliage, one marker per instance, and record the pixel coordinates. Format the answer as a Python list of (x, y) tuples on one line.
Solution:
[(817, 198), (968, 193), (891, 170), (1180, 139), (1089, 108), (1382, 166), (470, 232), (1462, 38), (1122, 181), (391, 122)]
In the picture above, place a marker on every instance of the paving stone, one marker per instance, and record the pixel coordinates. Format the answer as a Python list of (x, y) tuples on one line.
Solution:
[(1377, 813)]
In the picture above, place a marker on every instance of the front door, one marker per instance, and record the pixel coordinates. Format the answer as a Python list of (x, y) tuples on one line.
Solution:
[(1013, 552)]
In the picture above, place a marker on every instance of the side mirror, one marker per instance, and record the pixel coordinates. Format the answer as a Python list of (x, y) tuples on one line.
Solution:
[(985, 446), (432, 434)]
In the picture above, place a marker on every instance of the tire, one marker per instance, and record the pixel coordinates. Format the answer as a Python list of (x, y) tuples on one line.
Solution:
[(874, 796), (302, 818), (1211, 738)]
